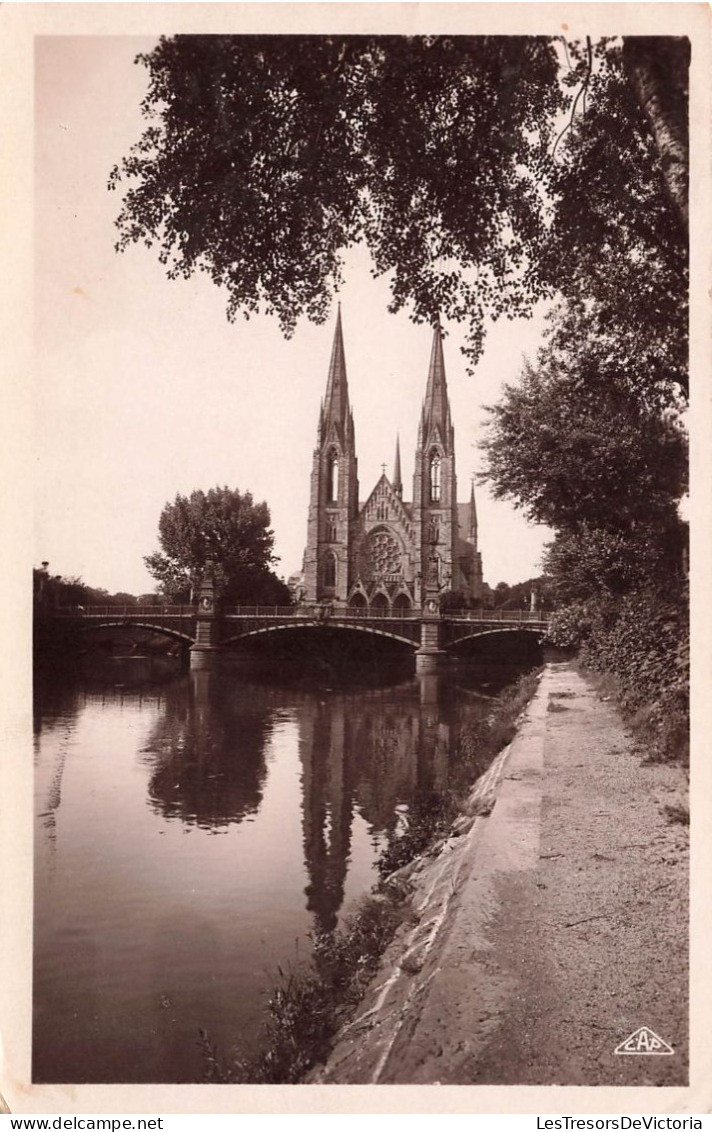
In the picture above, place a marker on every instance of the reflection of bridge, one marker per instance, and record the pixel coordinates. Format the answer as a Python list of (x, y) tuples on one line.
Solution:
[(208, 632)]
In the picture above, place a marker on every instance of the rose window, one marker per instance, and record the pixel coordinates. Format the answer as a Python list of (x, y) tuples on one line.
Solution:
[(383, 555)]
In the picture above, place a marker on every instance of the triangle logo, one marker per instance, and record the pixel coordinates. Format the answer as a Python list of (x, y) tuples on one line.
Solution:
[(644, 1041)]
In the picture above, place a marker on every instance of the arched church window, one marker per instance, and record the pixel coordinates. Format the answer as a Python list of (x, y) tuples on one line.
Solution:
[(332, 477), (330, 570), (435, 477), (330, 530)]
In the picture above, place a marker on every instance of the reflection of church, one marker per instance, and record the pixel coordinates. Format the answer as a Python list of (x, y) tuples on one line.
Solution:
[(369, 755), (381, 554)]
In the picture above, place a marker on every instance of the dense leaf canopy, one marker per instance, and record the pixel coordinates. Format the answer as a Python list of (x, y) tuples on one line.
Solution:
[(226, 531), (617, 245), (593, 564), (572, 447), (264, 162), (483, 173)]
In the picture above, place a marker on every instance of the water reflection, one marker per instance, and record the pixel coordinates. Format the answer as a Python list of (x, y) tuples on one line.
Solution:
[(206, 753), (148, 926)]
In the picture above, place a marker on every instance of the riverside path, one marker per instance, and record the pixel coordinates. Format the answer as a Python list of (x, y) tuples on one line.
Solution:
[(549, 928)]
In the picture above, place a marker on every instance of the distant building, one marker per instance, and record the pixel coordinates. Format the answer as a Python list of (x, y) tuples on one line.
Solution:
[(379, 554)]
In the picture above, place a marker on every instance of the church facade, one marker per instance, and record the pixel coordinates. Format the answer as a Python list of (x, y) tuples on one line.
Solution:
[(385, 554)]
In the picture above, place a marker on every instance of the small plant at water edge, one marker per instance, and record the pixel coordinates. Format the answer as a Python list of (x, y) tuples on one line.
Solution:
[(309, 1003)]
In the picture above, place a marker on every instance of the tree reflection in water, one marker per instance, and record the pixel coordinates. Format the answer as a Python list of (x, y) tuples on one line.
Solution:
[(142, 939), (207, 752), (370, 752)]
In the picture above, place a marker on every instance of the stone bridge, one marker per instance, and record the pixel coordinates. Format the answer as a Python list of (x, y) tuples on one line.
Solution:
[(430, 633)]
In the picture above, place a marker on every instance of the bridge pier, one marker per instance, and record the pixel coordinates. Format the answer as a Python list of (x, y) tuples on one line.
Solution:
[(202, 658), (429, 657), (203, 652)]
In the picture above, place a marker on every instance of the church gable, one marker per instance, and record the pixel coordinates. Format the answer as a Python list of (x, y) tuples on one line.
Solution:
[(384, 506)]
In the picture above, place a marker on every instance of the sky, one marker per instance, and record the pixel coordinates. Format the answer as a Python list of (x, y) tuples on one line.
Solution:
[(144, 389)]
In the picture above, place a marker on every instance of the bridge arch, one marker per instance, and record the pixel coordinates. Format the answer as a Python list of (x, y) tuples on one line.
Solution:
[(475, 635), (319, 628), (497, 645), (118, 623)]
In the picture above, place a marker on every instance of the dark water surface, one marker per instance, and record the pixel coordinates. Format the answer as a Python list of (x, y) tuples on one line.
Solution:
[(192, 831)]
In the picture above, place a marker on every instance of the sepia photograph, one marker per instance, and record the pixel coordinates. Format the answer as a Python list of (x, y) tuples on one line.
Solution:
[(360, 525)]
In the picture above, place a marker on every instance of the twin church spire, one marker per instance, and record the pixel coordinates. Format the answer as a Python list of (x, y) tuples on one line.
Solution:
[(384, 552), (435, 419)]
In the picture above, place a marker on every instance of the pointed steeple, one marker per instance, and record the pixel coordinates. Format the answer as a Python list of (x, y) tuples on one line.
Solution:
[(472, 525), (336, 402), (436, 407), (397, 478)]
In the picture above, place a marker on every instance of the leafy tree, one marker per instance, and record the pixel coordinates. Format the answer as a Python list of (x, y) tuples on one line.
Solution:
[(595, 563), (444, 153), (227, 530), (518, 596), (577, 449), (500, 595), (52, 590), (264, 162), (616, 248)]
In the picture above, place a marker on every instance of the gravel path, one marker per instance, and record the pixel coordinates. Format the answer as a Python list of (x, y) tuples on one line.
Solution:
[(595, 939), (562, 928)]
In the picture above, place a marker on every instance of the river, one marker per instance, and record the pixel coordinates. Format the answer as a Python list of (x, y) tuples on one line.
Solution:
[(194, 829)]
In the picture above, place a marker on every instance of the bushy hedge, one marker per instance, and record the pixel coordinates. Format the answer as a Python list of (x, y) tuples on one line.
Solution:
[(642, 640)]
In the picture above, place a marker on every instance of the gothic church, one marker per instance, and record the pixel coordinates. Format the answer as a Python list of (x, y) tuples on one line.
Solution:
[(383, 555)]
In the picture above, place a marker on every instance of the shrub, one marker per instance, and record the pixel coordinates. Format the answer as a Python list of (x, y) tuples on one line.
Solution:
[(642, 640)]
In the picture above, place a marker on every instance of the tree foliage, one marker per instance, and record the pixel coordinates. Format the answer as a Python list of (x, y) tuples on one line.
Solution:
[(263, 162), (575, 449), (52, 591), (616, 248), (226, 530), (581, 449), (267, 156), (593, 562), (518, 595), (642, 640)]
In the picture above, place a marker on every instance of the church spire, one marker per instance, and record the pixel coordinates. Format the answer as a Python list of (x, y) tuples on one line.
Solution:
[(436, 407), (472, 524), (397, 479), (336, 402)]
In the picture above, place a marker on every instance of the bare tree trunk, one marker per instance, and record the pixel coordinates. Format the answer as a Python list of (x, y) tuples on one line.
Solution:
[(657, 69)]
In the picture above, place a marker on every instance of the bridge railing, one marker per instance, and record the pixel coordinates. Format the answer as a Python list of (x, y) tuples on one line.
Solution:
[(319, 612), (260, 610), (526, 615), (125, 611), (309, 612)]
